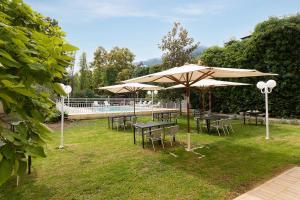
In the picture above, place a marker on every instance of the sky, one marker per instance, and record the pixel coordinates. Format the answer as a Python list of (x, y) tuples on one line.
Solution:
[(140, 24)]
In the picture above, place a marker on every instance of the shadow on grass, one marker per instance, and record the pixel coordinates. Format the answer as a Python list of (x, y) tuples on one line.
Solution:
[(27, 187), (233, 167)]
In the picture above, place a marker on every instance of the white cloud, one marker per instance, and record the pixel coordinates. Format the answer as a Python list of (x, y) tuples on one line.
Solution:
[(98, 9), (197, 9)]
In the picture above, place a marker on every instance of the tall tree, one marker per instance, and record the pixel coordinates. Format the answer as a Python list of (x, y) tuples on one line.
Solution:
[(177, 47), (84, 72), (99, 63), (71, 71), (33, 53), (120, 64)]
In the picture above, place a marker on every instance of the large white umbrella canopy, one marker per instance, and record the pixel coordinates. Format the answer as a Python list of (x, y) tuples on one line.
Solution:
[(130, 87), (189, 74)]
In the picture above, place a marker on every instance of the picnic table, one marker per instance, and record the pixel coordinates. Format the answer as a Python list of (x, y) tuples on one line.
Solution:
[(160, 116), (111, 119), (149, 126), (255, 113), (208, 120)]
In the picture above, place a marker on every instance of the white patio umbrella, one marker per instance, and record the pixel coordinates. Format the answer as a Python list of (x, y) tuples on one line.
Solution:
[(130, 87), (210, 83), (189, 74)]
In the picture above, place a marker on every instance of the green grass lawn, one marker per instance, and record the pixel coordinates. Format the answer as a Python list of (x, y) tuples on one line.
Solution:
[(99, 163)]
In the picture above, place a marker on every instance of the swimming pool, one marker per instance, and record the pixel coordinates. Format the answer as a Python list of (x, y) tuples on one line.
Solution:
[(120, 109)]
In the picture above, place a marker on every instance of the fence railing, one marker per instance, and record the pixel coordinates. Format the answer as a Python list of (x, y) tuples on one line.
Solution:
[(92, 105)]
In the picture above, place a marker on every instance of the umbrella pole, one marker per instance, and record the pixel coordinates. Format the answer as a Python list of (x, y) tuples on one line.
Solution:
[(203, 101), (209, 101), (134, 103), (188, 118)]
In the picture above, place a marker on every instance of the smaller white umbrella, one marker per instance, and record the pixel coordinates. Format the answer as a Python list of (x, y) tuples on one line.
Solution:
[(130, 87), (206, 83), (210, 83)]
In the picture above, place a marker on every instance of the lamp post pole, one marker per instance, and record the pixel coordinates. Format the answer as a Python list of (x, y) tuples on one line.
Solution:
[(61, 146), (67, 89), (152, 93), (152, 96), (266, 88), (267, 113)]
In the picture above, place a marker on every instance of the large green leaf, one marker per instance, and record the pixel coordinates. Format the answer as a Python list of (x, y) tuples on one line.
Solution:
[(11, 84), (6, 55), (69, 47), (58, 88), (43, 128), (8, 151), (5, 170), (37, 66), (7, 98), (35, 151)]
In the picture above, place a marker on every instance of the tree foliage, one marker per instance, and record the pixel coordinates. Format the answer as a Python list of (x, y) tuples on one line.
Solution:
[(177, 47), (85, 73), (99, 63), (274, 47), (33, 53), (112, 67)]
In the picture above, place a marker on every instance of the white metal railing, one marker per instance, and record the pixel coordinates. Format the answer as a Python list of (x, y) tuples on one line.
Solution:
[(93, 105)]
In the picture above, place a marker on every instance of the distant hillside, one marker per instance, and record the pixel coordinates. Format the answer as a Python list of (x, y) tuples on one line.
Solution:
[(199, 51), (155, 61), (152, 61)]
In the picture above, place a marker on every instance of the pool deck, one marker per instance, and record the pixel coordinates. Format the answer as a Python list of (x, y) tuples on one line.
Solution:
[(98, 115), (286, 186)]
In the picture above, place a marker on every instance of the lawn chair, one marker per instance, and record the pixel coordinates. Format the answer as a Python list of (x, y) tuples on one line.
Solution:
[(157, 105), (155, 135), (171, 131), (174, 117), (149, 103), (218, 125), (166, 117), (119, 121), (106, 103), (140, 103), (132, 121), (227, 125), (144, 104), (197, 113), (199, 125), (95, 104)]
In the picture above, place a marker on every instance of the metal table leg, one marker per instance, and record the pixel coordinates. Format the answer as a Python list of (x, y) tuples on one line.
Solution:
[(134, 140), (256, 119), (197, 123), (143, 138), (208, 125)]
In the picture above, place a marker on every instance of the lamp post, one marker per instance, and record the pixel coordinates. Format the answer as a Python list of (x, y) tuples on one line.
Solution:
[(67, 89), (152, 93), (266, 88)]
